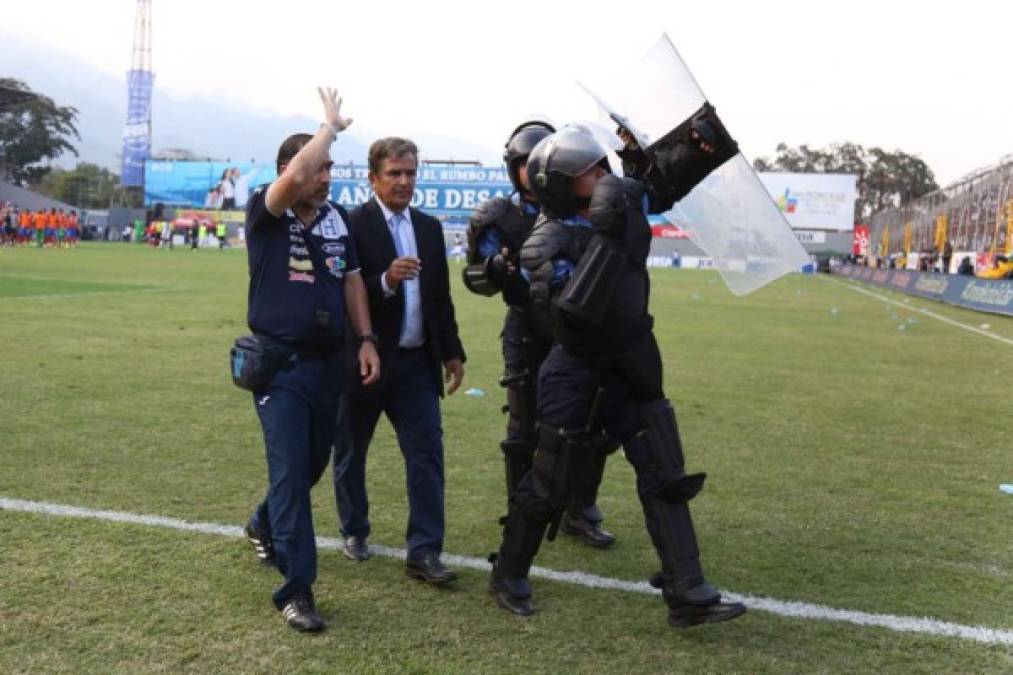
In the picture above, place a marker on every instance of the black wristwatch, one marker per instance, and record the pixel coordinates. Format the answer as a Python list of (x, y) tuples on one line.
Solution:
[(369, 337)]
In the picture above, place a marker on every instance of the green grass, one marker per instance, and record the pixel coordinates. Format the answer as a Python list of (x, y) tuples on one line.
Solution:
[(851, 464), (29, 287)]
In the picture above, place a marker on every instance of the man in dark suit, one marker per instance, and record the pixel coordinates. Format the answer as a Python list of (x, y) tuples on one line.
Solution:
[(404, 265)]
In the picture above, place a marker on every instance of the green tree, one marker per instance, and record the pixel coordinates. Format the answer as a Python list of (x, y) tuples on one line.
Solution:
[(885, 179), (87, 186), (32, 131)]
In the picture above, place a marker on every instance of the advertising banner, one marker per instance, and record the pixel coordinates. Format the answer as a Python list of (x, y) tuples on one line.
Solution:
[(816, 201), (443, 191), (666, 230), (931, 286), (861, 245), (901, 280), (447, 192), (986, 295), (137, 133), (811, 236), (983, 294)]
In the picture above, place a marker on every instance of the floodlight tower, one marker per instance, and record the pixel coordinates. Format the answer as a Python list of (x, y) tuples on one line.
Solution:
[(140, 78)]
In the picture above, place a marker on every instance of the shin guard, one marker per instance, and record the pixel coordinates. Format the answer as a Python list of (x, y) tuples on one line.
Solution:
[(517, 459), (589, 472), (522, 536), (661, 436)]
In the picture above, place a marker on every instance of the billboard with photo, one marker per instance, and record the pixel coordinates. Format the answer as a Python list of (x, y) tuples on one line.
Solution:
[(442, 190)]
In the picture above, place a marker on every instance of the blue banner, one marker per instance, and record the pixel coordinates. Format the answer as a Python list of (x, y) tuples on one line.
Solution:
[(137, 133), (986, 295), (445, 191), (983, 294)]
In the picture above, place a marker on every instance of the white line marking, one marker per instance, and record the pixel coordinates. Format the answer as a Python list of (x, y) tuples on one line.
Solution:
[(913, 308), (906, 624)]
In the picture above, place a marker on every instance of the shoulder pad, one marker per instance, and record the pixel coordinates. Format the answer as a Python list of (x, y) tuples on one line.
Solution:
[(548, 238), (614, 202), (489, 211)]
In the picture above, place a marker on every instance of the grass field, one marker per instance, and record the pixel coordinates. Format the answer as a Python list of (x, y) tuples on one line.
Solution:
[(852, 463)]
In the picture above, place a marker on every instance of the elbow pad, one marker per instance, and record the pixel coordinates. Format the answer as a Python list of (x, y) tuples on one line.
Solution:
[(487, 277), (588, 293)]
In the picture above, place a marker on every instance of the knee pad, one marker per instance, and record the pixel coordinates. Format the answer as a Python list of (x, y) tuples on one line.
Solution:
[(521, 401), (659, 450), (547, 461)]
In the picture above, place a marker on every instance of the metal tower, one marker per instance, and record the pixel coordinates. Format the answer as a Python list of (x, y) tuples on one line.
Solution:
[(140, 79)]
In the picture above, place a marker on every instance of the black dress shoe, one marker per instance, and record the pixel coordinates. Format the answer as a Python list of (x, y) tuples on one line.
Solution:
[(428, 568), (699, 604), (685, 616), (301, 614), (511, 593), (356, 549), (591, 533), (261, 542)]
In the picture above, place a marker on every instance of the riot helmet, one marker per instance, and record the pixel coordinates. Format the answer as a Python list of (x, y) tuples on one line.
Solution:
[(519, 145), (559, 158)]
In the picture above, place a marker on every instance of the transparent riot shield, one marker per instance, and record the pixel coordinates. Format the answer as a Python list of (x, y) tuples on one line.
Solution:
[(729, 214)]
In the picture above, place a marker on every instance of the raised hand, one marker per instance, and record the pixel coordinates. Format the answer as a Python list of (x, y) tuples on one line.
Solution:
[(332, 109)]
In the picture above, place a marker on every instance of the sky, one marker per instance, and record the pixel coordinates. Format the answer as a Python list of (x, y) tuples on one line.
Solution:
[(932, 79)]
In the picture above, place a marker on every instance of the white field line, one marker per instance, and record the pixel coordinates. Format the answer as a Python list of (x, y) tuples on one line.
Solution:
[(907, 624), (45, 296), (922, 310)]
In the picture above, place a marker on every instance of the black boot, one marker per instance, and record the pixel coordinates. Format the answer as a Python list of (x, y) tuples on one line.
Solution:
[(583, 518), (699, 604), (508, 583), (691, 600), (664, 489), (511, 593)]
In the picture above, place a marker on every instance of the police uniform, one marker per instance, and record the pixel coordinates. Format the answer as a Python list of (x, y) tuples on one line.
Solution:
[(601, 382), (504, 223), (296, 298)]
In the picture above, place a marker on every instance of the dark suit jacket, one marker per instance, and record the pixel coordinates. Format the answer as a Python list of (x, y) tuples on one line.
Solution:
[(375, 248)]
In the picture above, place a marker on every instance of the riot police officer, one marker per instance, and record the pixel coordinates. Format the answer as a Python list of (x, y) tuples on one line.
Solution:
[(586, 260), (496, 232)]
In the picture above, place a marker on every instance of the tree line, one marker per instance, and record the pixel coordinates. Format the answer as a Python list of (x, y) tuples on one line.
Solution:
[(34, 131)]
